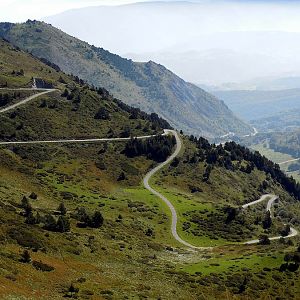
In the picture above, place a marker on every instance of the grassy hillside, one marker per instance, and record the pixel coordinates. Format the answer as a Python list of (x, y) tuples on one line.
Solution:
[(50, 251), (148, 86), (70, 111)]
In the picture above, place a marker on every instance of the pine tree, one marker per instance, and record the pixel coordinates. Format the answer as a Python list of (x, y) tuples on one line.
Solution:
[(63, 224), (97, 220), (264, 240), (267, 221), (121, 176), (30, 219), (65, 93), (38, 218), (102, 114), (62, 209), (50, 223)]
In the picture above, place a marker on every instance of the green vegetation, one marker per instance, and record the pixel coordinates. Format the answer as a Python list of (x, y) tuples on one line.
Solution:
[(158, 148), (209, 203), (76, 223), (286, 143), (61, 116), (280, 147), (277, 157)]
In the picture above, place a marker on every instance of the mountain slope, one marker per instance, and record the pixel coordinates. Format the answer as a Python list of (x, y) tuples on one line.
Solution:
[(51, 253), (148, 86), (71, 111), (182, 36)]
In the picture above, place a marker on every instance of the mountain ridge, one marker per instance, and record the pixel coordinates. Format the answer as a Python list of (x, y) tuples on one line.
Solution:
[(149, 86)]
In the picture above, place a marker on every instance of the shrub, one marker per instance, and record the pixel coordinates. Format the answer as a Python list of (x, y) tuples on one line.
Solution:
[(33, 196), (25, 257), (264, 240), (102, 114), (149, 232), (26, 206), (25, 238), (63, 224), (42, 266), (286, 230)]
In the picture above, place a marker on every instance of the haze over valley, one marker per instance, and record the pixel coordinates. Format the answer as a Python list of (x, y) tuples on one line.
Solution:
[(200, 41)]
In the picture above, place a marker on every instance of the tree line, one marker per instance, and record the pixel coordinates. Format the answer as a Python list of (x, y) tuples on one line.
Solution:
[(157, 148), (225, 156), (6, 98)]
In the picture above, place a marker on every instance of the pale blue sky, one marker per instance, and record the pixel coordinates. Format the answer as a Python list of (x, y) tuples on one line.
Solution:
[(21, 10)]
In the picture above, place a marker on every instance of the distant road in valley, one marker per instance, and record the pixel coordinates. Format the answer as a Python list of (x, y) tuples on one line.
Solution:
[(288, 161)]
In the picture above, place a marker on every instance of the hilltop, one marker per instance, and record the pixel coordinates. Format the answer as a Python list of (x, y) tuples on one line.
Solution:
[(149, 86)]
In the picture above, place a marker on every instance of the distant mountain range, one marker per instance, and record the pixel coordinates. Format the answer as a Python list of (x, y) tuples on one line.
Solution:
[(201, 42), (149, 86), (256, 104), (257, 84)]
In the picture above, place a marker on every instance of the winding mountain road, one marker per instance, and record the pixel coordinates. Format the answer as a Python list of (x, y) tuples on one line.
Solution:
[(272, 198), (26, 100), (262, 198), (149, 175), (69, 141), (169, 204)]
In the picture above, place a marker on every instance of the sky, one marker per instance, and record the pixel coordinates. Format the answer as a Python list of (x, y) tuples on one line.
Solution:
[(22, 10)]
